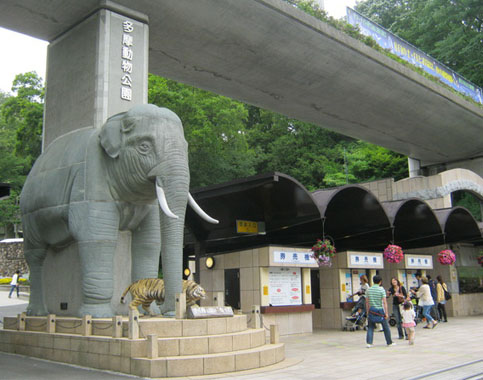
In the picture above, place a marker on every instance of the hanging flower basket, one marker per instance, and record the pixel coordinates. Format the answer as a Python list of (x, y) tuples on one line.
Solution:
[(393, 253), (446, 257), (480, 260), (322, 252)]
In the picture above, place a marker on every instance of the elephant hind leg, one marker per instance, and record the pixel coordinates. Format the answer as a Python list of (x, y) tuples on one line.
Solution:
[(35, 258)]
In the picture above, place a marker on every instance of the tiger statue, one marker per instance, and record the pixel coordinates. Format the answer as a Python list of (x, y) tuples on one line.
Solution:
[(147, 290)]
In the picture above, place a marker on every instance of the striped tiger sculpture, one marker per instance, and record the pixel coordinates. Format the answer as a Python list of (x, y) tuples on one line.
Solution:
[(147, 290)]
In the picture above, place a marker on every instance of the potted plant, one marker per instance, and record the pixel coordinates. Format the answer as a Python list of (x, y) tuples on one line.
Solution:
[(480, 260), (446, 257), (322, 251), (393, 253)]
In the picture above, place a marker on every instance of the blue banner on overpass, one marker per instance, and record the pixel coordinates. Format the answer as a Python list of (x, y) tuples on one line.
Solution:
[(409, 53)]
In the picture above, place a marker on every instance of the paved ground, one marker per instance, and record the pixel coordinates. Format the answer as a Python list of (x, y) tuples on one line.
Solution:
[(451, 351)]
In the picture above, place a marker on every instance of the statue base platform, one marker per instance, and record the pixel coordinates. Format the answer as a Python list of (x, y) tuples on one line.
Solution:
[(165, 348)]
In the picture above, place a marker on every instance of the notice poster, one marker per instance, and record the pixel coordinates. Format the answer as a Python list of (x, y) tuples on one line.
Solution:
[(285, 286)]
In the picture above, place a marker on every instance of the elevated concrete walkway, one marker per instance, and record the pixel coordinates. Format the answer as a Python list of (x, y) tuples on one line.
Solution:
[(437, 189)]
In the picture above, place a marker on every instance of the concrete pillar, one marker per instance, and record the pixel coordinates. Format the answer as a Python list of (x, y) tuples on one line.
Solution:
[(219, 299), (96, 68), (50, 324), (152, 347), (414, 167), (117, 326), (255, 317), (180, 305), (21, 320), (86, 325), (133, 324), (274, 334)]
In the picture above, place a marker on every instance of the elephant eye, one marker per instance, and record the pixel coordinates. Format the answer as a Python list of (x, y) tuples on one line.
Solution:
[(144, 147)]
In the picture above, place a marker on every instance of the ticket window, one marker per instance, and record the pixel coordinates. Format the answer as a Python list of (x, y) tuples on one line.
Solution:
[(356, 281), (411, 280)]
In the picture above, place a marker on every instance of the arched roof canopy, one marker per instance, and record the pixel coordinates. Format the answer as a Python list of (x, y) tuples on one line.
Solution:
[(459, 225), (353, 217), (274, 198), (415, 224)]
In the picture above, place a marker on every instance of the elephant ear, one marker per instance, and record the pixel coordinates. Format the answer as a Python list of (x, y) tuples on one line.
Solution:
[(110, 135)]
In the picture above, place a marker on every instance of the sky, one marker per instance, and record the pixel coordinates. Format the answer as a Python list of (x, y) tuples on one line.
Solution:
[(23, 53)]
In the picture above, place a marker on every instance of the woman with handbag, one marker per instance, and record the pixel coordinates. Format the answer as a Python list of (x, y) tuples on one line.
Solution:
[(441, 289), (399, 295), (426, 301)]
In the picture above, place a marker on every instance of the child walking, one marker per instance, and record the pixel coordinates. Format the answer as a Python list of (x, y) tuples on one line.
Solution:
[(408, 323)]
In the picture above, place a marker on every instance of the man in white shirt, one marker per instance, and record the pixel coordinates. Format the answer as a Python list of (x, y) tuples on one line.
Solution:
[(14, 284)]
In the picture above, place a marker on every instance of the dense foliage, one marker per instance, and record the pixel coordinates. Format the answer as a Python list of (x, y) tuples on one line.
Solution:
[(229, 140), (20, 140)]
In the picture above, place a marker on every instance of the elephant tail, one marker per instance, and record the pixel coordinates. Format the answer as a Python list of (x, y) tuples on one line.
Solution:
[(125, 292)]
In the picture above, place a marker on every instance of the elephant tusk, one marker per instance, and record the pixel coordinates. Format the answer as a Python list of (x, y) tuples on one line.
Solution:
[(163, 203), (199, 211)]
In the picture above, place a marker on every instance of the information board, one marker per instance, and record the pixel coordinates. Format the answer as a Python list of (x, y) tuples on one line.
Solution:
[(285, 286)]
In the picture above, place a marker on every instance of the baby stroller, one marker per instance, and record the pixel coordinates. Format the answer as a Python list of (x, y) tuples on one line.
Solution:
[(357, 320)]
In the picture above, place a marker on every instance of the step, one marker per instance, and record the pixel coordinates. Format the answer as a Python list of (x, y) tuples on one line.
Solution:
[(208, 364)]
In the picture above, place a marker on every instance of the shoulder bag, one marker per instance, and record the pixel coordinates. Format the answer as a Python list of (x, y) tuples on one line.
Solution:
[(447, 295)]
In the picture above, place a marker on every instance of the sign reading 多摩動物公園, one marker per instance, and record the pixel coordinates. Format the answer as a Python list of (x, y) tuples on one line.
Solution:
[(418, 58)]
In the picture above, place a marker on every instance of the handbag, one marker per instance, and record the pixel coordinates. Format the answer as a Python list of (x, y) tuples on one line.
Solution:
[(400, 298), (375, 315), (447, 295)]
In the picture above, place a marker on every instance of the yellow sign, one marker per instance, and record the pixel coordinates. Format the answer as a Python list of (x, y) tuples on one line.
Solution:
[(343, 287), (307, 289), (265, 290), (246, 227)]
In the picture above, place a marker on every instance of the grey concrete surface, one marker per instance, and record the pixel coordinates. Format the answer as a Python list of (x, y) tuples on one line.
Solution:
[(325, 354), (267, 53)]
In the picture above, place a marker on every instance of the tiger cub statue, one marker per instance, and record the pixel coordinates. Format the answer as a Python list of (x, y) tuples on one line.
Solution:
[(147, 290)]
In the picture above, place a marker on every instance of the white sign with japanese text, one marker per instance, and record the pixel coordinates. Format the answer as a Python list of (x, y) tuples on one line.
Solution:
[(364, 260), (419, 262), (291, 257)]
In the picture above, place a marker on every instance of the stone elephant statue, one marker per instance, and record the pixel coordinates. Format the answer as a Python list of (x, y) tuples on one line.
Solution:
[(94, 182)]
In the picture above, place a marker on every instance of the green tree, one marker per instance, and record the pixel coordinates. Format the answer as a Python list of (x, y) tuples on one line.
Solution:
[(448, 30), (469, 201), (20, 141), (214, 128), (24, 112)]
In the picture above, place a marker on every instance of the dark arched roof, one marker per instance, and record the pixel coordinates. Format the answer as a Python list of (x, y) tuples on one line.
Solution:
[(353, 217), (274, 198), (459, 225), (350, 215), (415, 223)]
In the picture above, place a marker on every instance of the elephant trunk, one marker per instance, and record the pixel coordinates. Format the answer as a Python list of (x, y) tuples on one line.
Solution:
[(175, 186)]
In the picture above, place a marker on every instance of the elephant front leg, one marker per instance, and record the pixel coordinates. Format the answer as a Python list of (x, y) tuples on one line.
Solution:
[(97, 260), (35, 259), (145, 250), (96, 225)]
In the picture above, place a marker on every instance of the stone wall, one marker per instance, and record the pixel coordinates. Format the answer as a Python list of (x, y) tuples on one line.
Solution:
[(11, 259)]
